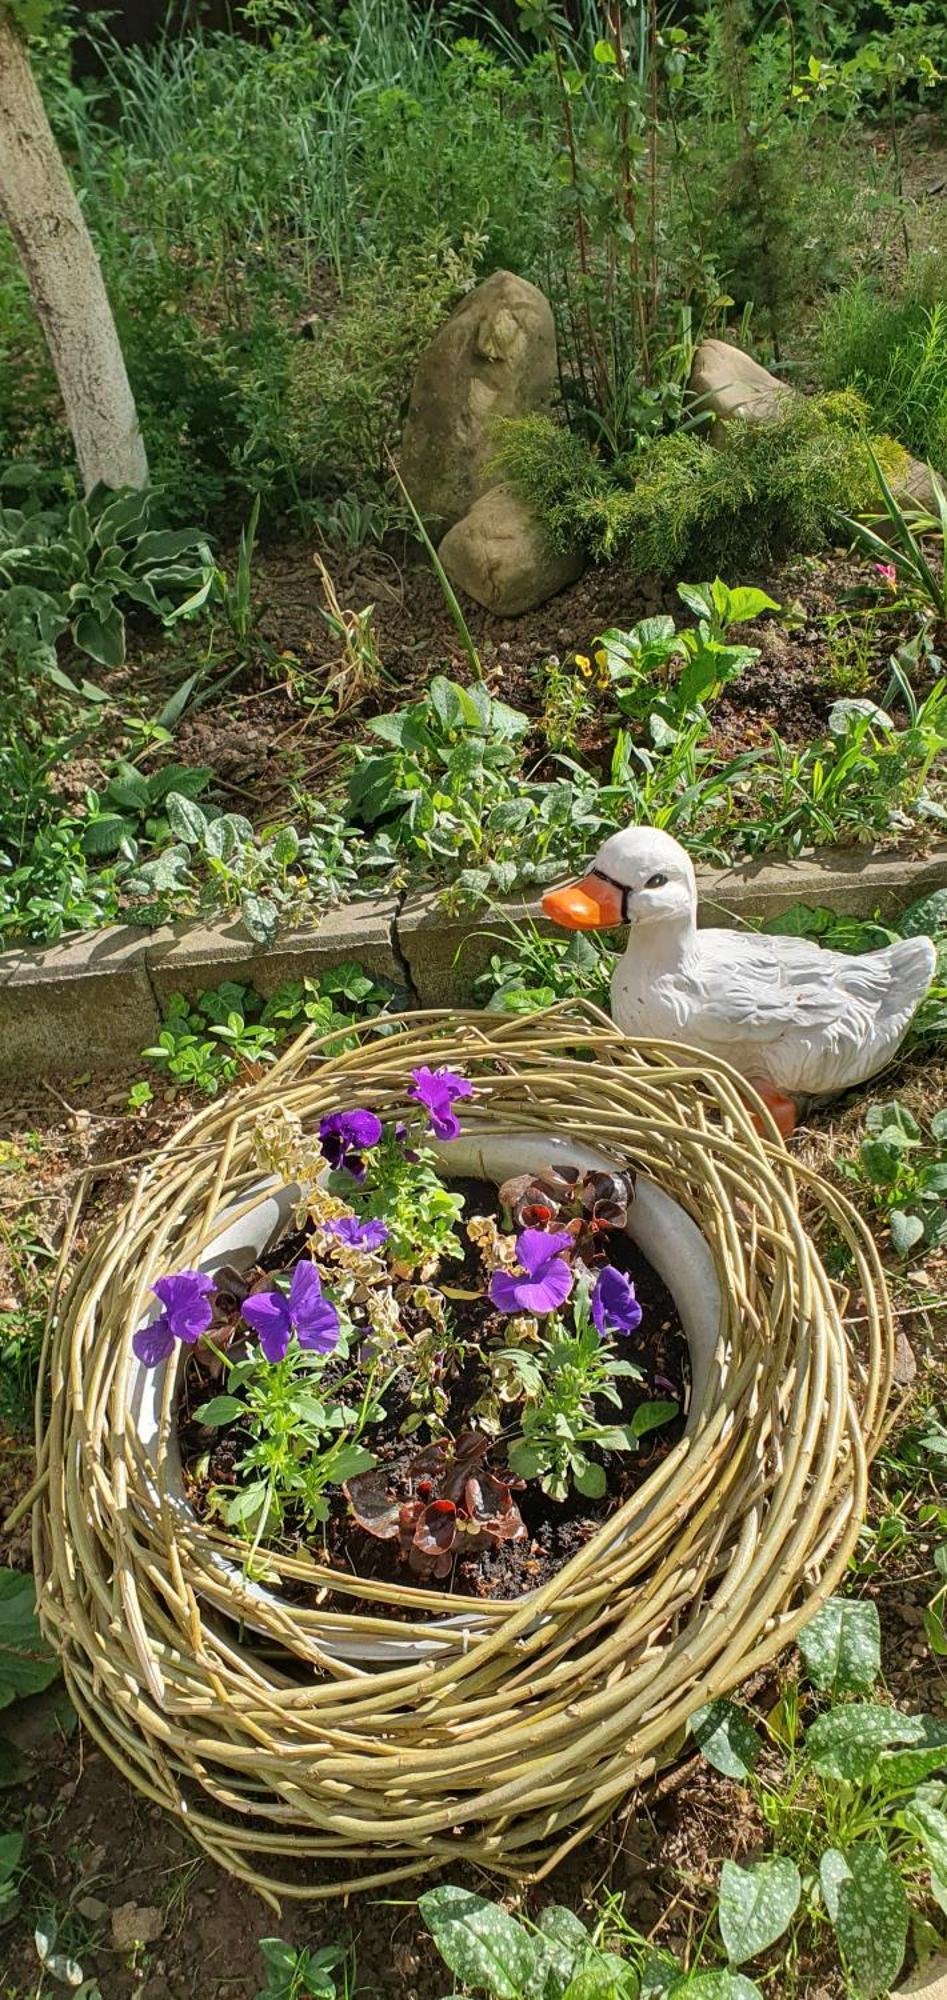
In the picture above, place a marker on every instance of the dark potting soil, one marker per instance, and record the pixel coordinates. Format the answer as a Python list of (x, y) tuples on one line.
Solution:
[(556, 1530)]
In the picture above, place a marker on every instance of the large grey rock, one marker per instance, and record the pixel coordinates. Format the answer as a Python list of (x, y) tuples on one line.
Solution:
[(499, 555), (730, 383), (494, 357)]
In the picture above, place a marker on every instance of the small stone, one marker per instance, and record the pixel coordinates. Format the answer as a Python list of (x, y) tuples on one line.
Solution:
[(135, 1923), (92, 1908)]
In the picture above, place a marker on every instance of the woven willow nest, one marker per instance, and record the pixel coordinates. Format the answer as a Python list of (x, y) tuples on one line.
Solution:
[(539, 1716)]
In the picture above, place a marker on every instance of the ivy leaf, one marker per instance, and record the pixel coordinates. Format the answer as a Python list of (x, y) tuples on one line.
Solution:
[(847, 1742), (260, 918), (479, 1941), (757, 1905), (871, 1918), (726, 1738), (926, 1737), (185, 818), (906, 1230), (841, 1646), (722, 1985), (26, 1662), (930, 1824)]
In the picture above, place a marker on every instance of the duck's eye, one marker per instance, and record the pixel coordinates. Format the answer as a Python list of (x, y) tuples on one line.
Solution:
[(655, 881)]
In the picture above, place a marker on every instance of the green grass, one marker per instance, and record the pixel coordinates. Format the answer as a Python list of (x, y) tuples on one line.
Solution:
[(894, 352)]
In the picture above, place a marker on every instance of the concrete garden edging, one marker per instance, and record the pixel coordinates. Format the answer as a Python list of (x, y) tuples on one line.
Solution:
[(93, 1002)]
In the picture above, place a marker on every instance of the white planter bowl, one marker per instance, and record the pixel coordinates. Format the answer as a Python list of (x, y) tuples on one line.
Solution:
[(659, 1226)]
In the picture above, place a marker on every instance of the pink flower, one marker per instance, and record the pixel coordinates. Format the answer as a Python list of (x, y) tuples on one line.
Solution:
[(887, 573)]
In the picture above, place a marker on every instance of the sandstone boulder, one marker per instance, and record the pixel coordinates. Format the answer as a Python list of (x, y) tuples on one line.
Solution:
[(494, 357), (729, 382), (499, 555)]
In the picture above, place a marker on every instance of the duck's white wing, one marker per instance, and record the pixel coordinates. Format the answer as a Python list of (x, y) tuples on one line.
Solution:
[(810, 1020)]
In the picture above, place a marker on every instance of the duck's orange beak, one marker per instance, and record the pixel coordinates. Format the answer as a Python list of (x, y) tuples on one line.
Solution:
[(589, 905)]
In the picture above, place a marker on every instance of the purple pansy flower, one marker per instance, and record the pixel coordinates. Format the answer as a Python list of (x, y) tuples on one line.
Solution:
[(548, 1280), (436, 1089), (345, 1135), (305, 1312), (357, 1234), (186, 1298), (614, 1306)]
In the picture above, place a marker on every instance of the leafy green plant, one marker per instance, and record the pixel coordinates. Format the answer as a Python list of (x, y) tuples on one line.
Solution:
[(851, 1802), (634, 660), (531, 971), (129, 808), (491, 1953), (27, 1664), (76, 573), (203, 1043), (904, 1175), (299, 1436), (563, 1377), (903, 546), (350, 379), (303, 1973), (216, 860), (893, 351), (404, 1189)]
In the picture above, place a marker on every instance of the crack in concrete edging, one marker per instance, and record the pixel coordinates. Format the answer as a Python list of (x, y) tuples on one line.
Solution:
[(96, 1000), (398, 954)]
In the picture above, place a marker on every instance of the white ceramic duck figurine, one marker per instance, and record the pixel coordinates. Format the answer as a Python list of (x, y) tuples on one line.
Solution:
[(798, 1021)]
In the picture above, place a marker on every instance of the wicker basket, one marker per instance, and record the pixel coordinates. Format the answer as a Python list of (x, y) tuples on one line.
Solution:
[(286, 1735)]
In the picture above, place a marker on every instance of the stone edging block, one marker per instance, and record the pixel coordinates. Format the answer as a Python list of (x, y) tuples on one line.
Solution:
[(95, 1001)]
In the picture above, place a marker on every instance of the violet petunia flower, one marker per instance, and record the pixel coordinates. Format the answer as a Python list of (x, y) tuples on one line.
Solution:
[(188, 1311), (358, 1235), (345, 1135), (548, 1279), (614, 1306), (437, 1089), (274, 1316)]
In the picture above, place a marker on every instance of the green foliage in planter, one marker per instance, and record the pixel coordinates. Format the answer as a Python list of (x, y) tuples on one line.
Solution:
[(682, 505)]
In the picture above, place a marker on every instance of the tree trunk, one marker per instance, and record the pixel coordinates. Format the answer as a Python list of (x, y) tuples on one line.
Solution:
[(38, 203)]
